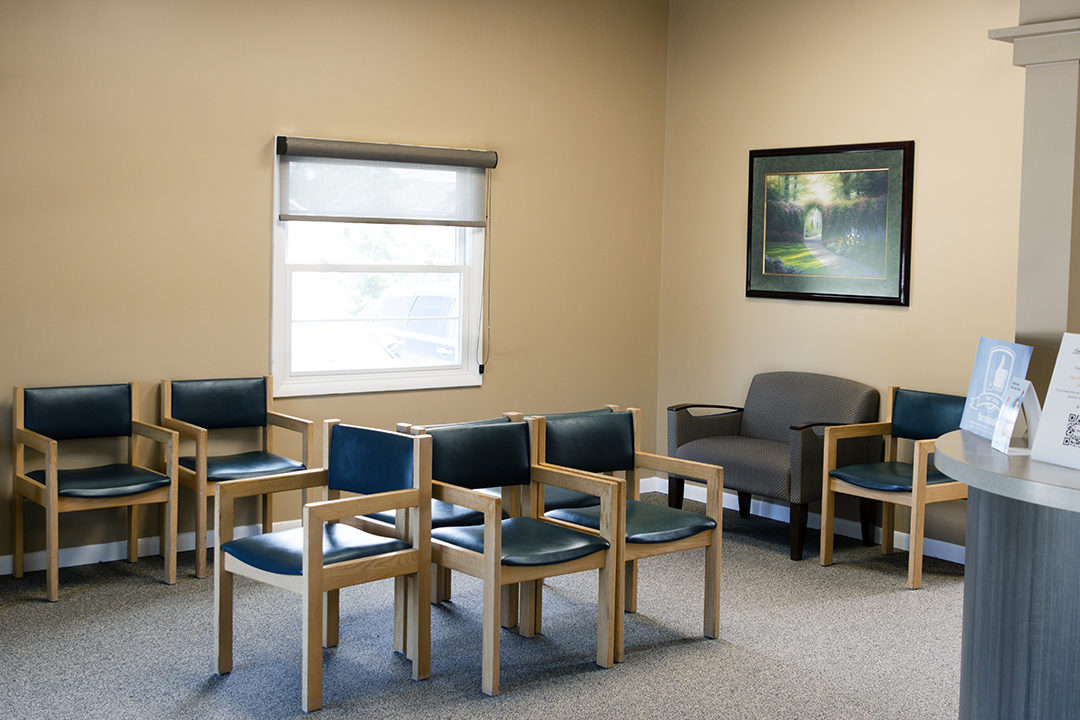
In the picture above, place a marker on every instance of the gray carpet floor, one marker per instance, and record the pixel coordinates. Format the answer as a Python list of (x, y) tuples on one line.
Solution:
[(797, 641)]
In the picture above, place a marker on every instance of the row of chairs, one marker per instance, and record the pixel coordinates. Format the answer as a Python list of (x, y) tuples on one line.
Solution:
[(43, 417), (508, 500)]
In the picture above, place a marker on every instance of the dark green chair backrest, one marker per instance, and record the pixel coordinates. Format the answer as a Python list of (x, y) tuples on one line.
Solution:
[(481, 454), (366, 461), (593, 441), (224, 403), (83, 411), (918, 415)]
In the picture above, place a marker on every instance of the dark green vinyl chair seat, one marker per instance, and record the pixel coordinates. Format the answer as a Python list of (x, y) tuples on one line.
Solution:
[(282, 552), (255, 463), (114, 480), (528, 541), (443, 514), (886, 476), (645, 522)]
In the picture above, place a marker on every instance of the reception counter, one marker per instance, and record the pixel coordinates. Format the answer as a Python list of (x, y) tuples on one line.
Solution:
[(1020, 655)]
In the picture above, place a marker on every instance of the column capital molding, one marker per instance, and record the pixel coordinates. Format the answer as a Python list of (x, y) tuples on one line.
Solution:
[(1042, 43)]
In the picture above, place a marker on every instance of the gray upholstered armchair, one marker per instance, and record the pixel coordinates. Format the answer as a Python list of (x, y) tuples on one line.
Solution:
[(772, 446)]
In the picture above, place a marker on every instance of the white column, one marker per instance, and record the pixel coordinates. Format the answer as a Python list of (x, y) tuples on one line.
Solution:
[(1048, 277)]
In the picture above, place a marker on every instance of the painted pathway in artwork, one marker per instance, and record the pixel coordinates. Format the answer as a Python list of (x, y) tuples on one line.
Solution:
[(836, 265)]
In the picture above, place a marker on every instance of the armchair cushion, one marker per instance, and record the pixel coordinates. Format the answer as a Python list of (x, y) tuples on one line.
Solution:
[(115, 480), (886, 476), (645, 522), (761, 466), (282, 552), (528, 541), (256, 463)]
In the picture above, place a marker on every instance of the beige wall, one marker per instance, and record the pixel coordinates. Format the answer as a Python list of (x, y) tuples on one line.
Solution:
[(753, 75), (136, 177)]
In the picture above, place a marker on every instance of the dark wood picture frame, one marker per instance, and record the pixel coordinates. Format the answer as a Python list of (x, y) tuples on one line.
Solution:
[(831, 223)]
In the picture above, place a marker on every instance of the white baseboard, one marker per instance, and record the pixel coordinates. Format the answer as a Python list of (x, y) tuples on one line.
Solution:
[(778, 511), (106, 552)]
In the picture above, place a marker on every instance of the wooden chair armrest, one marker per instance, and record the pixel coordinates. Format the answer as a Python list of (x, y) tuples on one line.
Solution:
[(677, 466), (330, 510), (227, 491), (289, 422), (156, 433), (588, 483), (186, 429), (839, 432), (472, 499), (36, 440)]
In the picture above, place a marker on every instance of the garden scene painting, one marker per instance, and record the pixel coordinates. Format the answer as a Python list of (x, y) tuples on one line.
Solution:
[(827, 224)]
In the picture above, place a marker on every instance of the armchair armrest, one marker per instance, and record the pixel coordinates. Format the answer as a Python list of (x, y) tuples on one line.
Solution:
[(840, 432), (155, 432), (677, 466), (472, 499), (683, 427)]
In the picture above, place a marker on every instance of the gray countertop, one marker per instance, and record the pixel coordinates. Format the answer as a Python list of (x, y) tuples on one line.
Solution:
[(968, 458)]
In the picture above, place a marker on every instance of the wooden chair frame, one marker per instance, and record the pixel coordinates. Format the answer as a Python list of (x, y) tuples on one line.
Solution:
[(320, 584), (916, 500), (629, 553), (197, 481), (46, 495), (499, 579)]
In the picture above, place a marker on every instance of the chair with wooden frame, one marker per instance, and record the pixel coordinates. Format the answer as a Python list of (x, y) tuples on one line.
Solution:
[(45, 416), (388, 471), (518, 550), (912, 415), (194, 407), (610, 443)]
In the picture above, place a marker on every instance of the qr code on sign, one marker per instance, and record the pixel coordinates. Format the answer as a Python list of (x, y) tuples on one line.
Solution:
[(1072, 432)]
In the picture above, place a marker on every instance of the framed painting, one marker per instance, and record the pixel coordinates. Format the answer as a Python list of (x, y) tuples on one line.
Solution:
[(831, 223)]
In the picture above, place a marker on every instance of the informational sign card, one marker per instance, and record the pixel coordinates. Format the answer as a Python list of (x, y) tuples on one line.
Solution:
[(997, 363), (1018, 395), (1058, 438)]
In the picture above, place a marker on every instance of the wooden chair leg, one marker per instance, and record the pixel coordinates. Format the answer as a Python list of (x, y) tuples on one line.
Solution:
[(268, 513), (712, 587), (52, 552), (510, 600), (401, 619), (331, 617), (489, 681), (744, 504), (223, 616), (800, 513), (167, 544), (828, 502), (440, 584), (530, 596), (419, 623), (133, 533), (915, 550), (17, 535), (607, 617), (866, 521), (201, 512), (888, 526), (311, 673), (676, 487)]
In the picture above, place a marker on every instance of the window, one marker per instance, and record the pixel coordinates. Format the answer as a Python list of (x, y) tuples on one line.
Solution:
[(378, 266)]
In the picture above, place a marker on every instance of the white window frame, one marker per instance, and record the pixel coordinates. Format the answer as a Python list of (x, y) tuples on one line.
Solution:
[(467, 372)]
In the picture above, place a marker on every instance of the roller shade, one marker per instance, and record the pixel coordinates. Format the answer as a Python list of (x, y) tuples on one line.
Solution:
[(343, 181)]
